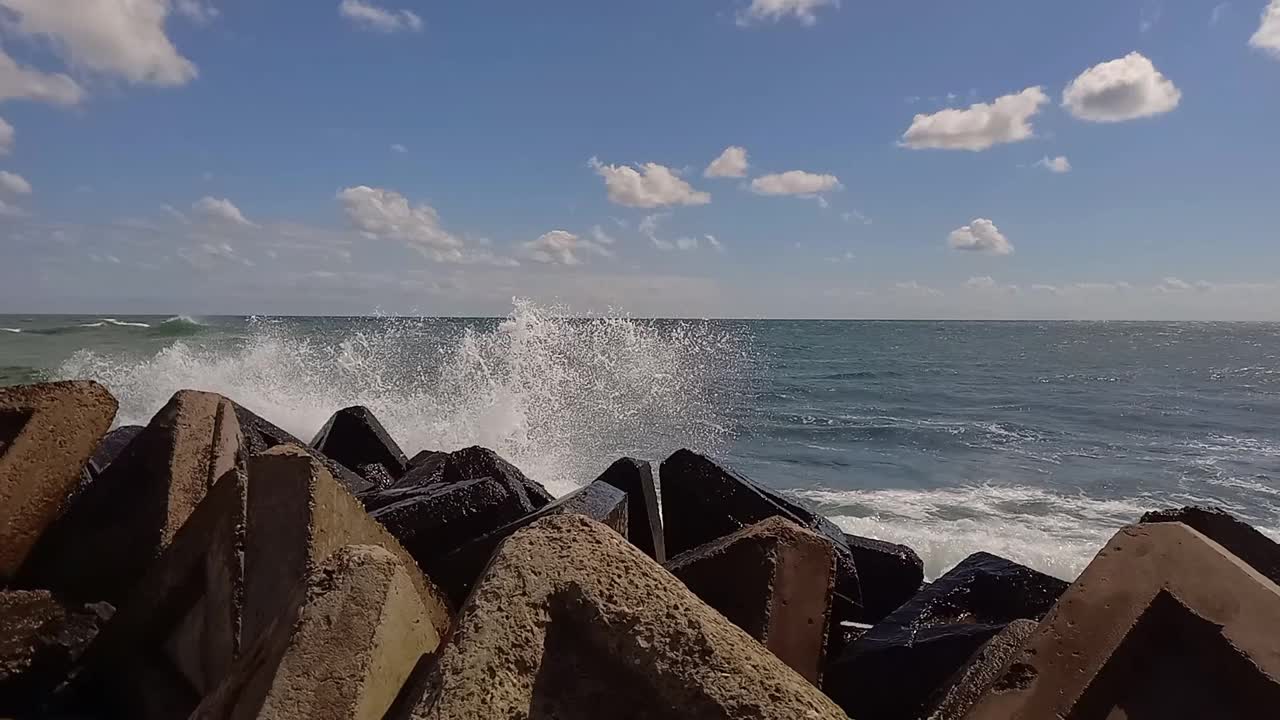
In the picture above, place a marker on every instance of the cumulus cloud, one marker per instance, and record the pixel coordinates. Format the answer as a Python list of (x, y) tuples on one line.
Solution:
[(984, 282), (123, 38), (397, 147), (6, 137), (774, 10), (22, 82), (562, 247), (1267, 38), (855, 216), (714, 243), (981, 126), (650, 186), (373, 17), (1215, 16), (1178, 285), (982, 236), (1124, 89), (220, 210), (732, 163), (1058, 164), (794, 182), (379, 213), (14, 183)]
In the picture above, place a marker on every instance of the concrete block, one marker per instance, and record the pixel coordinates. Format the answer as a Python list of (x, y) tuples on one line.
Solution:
[(571, 621), (889, 575), (298, 514), (980, 672), (177, 634), (702, 501), (360, 629), (892, 671), (354, 437), (457, 571), (260, 435), (47, 434), (1164, 623), (774, 580), (117, 527), (644, 524)]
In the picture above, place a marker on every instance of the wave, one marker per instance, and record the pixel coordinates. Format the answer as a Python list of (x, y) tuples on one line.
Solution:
[(1053, 532), (559, 397), (11, 330), (124, 323), (179, 326)]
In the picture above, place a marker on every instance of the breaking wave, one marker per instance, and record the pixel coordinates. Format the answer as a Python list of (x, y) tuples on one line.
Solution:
[(560, 397)]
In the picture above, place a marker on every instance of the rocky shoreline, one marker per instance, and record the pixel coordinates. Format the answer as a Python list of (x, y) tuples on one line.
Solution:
[(210, 565)]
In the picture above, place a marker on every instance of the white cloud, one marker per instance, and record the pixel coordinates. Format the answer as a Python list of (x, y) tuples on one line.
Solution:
[(1058, 164), (651, 186), (687, 243), (775, 10), (1150, 14), (1267, 38), (220, 210), (715, 243), (732, 163), (562, 247), (14, 183), (985, 282), (1177, 285), (195, 11), (125, 38), (599, 235), (855, 216), (6, 137), (377, 18), (982, 125), (397, 147), (386, 214), (982, 236), (794, 182), (1124, 89), (7, 210), (30, 84)]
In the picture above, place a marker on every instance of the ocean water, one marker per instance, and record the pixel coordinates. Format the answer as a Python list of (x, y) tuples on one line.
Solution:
[(1032, 440)]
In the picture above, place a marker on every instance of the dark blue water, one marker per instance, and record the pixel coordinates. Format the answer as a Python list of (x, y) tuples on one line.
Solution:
[(1032, 440)]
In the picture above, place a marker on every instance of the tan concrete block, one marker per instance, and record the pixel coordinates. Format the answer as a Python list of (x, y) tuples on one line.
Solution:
[(571, 621), (177, 634), (113, 531), (47, 434), (297, 516), (774, 580), (360, 630), (1163, 623)]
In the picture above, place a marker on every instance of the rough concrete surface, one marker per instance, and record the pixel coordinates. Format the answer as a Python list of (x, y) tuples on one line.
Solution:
[(297, 516), (644, 523), (354, 437), (572, 621), (119, 525), (182, 620), (1242, 539), (1163, 623), (360, 630), (48, 432), (981, 672), (772, 579)]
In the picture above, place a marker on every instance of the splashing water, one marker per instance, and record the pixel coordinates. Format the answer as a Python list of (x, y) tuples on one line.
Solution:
[(560, 397)]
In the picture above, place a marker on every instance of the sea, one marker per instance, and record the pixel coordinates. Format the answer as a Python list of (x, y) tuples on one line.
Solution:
[(1032, 440)]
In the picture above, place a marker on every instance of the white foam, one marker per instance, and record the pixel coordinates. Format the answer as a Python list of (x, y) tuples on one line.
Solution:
[(560, 398), (124, 323), (11, 330), (1055, 533)]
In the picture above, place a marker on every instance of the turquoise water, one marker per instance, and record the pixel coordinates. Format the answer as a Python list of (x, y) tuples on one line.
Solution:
[(1032, 440)]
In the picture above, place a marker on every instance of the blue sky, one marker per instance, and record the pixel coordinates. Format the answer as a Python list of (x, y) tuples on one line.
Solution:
[(995, 159)]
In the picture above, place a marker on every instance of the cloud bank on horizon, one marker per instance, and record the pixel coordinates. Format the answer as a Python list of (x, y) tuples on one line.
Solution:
[(348, 156)]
